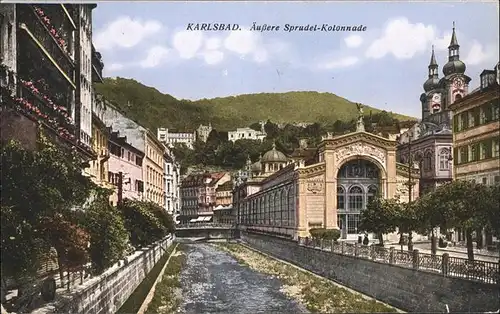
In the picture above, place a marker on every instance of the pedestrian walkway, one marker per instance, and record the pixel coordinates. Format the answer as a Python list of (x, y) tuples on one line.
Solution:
[(425, 248)]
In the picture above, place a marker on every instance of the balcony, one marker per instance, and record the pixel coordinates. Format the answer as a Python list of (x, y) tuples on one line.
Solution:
[(41, 37), (97, 66), (104, 154), (40, 107)]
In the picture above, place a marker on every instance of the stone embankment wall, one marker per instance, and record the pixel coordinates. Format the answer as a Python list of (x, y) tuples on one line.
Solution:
[(404, 288), (109, 291)]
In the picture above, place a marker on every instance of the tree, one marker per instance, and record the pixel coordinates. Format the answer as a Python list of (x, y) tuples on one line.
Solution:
[(406, 220), (271, 129), (22, 246), (70, 241), (380, 217), (490, 215), (108, 235), (142, 223), (40, 189), (458, 204), (256, 126)]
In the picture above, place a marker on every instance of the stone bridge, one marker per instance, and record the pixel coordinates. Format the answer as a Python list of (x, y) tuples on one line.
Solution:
[(206, 231)]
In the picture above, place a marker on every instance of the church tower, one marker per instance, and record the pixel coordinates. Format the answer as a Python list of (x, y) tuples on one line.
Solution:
[(455, 82), (431, 99)]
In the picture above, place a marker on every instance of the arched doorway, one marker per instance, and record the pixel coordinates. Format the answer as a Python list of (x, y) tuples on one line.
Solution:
[(358, 182)]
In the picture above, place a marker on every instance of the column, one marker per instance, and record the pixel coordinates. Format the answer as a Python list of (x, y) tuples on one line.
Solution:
[(330, 210)]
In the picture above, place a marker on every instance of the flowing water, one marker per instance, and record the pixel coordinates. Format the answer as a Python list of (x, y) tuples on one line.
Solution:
[(213, 282)]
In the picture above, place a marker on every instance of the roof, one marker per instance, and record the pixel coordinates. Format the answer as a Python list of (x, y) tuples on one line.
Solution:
[(274, 155), (227, 186)]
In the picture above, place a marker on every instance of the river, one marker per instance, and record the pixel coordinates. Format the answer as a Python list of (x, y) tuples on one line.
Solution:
[(213, 281)]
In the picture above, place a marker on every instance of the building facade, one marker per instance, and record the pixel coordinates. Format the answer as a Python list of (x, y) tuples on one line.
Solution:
[(203, 131), (329, 190), (246, 134), (429, 142), (142, 139), (171, 138), (172, 179), (476, 132), (153, 169), (42, 45), (198, 196), (125, 169)]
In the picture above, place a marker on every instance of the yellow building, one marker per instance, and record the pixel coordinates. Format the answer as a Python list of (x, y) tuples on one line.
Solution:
[(98, 169), (153, 169), (476, 133), (325, 188)]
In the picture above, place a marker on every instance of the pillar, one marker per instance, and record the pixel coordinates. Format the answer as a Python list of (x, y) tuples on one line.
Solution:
[(330, 210)]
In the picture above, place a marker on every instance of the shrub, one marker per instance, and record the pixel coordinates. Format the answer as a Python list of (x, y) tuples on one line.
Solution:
[(366, 241), (325, 234), (442, 243)]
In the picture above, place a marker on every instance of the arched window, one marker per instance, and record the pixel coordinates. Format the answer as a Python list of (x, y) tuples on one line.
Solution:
[(428, 161), (340, 198), (372, 193), (355, 198), (444, 159)]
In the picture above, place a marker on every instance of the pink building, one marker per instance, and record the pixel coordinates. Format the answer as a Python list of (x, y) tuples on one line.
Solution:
[(126, 159)]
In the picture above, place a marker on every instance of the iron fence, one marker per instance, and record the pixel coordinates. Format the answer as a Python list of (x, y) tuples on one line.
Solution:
[(205, 226), (483, 271)]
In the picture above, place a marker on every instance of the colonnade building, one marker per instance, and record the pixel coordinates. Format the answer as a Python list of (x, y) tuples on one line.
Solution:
[(323, 187)]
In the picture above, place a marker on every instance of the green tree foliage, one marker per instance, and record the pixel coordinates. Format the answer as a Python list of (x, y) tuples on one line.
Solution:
[(39, 191), (143, 221), (153, 109), (325, 234), (108, 235), (22, 245), (460, 204), (380, 217)]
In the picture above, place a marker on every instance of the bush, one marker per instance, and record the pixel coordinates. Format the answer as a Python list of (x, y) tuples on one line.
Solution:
[(366, 241), (325, 234), (442, 243), (146, 222), (108, 235)]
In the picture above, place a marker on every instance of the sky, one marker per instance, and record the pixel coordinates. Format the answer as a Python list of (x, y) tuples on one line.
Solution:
[(384, 66)]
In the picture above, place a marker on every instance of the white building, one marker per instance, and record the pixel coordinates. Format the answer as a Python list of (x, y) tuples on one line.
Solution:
[(245, 134), (172, 184), (203, 132), (170, 138), (85, 78)]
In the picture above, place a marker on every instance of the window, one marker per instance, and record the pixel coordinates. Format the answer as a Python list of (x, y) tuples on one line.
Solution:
[(355, 198), (496, 111), (485, 180), (352, 224), (428, 161), (483, 148), (470, 116), (474, 152), (444, 159), (340, 198), (463, 155), (496, 148)]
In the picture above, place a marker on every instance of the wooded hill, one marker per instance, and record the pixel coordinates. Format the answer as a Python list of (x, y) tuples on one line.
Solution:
[(153, 109)]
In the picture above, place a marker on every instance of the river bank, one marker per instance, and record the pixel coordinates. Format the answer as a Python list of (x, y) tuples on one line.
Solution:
[(317, 294)]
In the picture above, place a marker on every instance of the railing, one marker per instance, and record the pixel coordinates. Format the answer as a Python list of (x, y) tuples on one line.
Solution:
[(42, 34), (483, 271), (205, 226)]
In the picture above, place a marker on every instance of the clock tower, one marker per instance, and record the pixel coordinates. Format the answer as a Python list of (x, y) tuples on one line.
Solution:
[(455, 82)]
